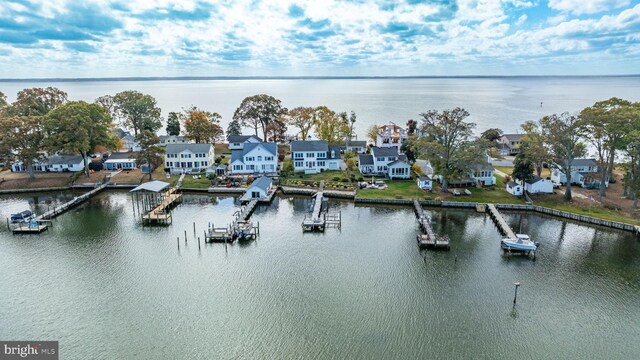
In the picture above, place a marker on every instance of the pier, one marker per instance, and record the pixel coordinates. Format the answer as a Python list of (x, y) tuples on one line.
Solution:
[(157, 202), (500, 222), (428, 239), (319, 221), (69, 204)]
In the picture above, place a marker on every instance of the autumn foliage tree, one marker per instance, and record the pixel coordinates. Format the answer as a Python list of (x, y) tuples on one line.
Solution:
[(22, 139), (202, 126)]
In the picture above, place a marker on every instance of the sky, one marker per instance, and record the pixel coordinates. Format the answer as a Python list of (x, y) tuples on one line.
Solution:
[(148, 38)]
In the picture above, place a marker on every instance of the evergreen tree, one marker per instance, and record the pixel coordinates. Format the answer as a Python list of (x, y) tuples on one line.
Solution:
[(173, 124), (234, 129)]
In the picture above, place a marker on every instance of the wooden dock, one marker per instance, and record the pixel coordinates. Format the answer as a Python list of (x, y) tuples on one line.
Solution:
[(500, 222), (22, 228), (429, 239), (161, 213), (69, 204), (317, 221)]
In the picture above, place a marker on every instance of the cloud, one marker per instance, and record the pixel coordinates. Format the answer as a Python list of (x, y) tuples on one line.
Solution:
[(306, 37), (579, 7)]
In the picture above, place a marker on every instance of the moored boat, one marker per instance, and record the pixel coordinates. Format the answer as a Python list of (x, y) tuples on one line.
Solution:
[(21, 217), (522, 242)]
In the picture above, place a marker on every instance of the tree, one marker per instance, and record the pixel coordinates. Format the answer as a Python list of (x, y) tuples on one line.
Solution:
[(605, 125), (563, 134), (412, 125), (137, 111), (327, 124), (407, 148), (22, 139), (632, 167), (36, 101), (202, 126), (79, 127), (492, 134), (351, 165), (234, 129), (537, 153), (348, 155), (150, 152), (302, 118), (173, 124), (348, 124), (277, 129), (448, 144), (372, 133), (3, 100), (522, 166), (108, 103), (258, 111)]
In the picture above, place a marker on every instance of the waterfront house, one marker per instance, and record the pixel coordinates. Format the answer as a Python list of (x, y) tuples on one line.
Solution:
[(314, 156), (188, 158), (512, 143), (514, 188), (357, 147), (53, 163), (483, 175), (425, 183), (503, 149), (386, 162), (236, 142), (391, 135), (584, 172), (172, 139), (120, 160), (538, 185), (219, 170), (365, 164), (260, 188), (255, 158)]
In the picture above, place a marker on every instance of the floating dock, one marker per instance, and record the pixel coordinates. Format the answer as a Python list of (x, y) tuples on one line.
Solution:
[(36, 227), (428, 239)]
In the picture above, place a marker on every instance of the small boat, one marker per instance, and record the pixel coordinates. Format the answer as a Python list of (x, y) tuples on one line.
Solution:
[(21, 217), (522, 242)]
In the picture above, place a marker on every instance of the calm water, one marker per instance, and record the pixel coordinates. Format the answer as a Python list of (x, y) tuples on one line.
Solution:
[(493, 102), (107, 288)]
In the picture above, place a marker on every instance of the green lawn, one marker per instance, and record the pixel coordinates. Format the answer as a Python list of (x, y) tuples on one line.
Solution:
[(557, 202), (505, 169), (397, 189), (327, 175), (492, 194)]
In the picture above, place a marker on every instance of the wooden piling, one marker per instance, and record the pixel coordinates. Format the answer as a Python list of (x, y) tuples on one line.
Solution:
[(185, 237), (178, 240)]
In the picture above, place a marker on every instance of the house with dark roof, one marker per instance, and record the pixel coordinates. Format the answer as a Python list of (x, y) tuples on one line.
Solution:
[(365, 164), (54, 163), (313, 156), (388, 163), (120, 160), (512, 142), (188, 158), (538, 185), (425, 183), (357, 147), (236, 142), (259, 188), (584, 172), (255, 158), (514, 188)]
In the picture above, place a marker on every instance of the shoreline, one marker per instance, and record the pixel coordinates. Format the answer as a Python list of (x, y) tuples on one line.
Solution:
[(286, 190)]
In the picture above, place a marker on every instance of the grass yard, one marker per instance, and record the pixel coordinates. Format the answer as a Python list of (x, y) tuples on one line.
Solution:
[(582, 208), (190, 183), (397, 189), (493, 194), (327, 175)]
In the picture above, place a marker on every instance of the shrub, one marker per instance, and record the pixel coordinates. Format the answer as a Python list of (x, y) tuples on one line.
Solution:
[(281, 158), (336, 178), (344, 180), (360, 178)]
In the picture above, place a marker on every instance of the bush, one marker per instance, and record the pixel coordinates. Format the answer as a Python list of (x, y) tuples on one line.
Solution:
[(344, 180), (360, 178), (281, 158), (336, 178)]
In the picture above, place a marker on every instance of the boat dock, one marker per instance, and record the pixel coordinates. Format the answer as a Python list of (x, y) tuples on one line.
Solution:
[(319, 220), (428, 239), (69, 204), (162, 212), (154, 202), (33, 227), (500, 222)]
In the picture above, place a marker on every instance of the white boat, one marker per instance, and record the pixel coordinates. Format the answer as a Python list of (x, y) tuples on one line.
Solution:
[(522, 242)]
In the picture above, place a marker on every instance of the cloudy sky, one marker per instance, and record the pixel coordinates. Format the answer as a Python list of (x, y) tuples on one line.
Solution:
[(58, 38)]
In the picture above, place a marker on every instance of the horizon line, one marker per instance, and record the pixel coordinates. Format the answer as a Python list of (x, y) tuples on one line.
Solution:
[(306, 77)]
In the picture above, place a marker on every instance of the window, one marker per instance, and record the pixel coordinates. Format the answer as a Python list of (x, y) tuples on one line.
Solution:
[(298, 164), (169, 164), (298, 155), (320, 163), (249, 158), (250, 167), (379, 158), (321, 155), (237, 167), (309, 155), (259, 158), (172, 156), (268, 158), (196, 163)]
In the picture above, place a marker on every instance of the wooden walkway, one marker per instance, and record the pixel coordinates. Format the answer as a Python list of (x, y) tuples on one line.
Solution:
[(160, 213), (69, 204), (500, 222), (428, 238), (317, 222)]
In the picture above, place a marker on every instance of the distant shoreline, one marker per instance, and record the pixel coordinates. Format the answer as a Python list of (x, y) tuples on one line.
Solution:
[(201, 78)]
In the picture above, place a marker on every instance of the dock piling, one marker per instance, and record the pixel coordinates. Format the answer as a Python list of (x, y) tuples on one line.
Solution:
[(185, 237), (515, 296), (178, 240)]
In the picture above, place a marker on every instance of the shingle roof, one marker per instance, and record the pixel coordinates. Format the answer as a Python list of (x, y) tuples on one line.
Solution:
[(365, 159), (397, 162), (64, 159), (355, 143), (584, 162), (513, 137), (534, 180), (194, 148), (424, 178), (336, 152), (512, 184), (390, 151), (263, 182), (488, 167), (236, 155), (313, 145), (119, 156), (242, 138), (269, 146)]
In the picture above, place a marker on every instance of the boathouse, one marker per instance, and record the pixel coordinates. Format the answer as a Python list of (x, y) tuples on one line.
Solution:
[(260, 188)]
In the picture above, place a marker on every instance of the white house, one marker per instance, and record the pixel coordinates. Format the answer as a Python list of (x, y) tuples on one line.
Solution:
[(255, 158), (512, 142), (314, 156), (120, 160), (187, 158), (584, 172), (357, 147), (386, 162), (425, 183), (483, 175), (172, 139), (538, 185), (129, 143), (54, 163), (259, 188), (236, 142), (391, 135), (514, 188)]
